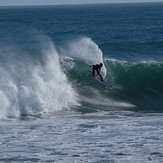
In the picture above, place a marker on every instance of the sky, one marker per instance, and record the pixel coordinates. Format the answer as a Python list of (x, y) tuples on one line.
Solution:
[(57, 2)]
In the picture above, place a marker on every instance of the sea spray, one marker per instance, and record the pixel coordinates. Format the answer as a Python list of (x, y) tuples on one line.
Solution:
[(86, 50), (31, 85)]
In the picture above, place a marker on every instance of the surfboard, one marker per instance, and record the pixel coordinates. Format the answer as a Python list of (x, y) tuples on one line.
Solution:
[(104, 82)]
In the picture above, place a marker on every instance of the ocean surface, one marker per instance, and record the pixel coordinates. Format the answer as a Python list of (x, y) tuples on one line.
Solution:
[(53, 110)]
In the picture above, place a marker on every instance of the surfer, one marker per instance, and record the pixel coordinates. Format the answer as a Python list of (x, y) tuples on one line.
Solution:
[(97, 68)]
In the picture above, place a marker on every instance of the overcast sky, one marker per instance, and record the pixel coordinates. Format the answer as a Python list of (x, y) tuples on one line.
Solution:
[(57, 2)]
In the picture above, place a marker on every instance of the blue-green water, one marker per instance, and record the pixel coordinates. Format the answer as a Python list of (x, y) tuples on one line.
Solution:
[(52, 109)]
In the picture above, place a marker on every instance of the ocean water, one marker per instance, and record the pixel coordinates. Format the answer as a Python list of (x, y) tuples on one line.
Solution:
[(52, 109)]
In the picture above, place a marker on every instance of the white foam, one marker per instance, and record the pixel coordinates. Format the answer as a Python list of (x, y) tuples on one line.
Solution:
[(98, 99), (28, 87)]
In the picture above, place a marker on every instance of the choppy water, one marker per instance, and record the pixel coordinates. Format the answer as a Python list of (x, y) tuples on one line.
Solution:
[(52, 110)]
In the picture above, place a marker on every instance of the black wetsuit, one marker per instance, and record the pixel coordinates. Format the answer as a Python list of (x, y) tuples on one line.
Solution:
[(97, 68)]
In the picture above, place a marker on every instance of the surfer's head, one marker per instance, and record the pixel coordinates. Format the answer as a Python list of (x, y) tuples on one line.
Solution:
[(101, 64)]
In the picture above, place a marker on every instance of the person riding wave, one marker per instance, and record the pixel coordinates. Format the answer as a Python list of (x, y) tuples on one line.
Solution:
[(97, 68)]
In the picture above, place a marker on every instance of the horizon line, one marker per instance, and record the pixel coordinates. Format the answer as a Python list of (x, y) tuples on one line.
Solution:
[(74, 4)]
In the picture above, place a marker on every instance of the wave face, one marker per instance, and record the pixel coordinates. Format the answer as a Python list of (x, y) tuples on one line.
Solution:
[(136, 86), (139, 83)]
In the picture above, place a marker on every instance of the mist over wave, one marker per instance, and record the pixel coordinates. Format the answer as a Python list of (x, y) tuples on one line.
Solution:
[(85, 50), (33, 84)]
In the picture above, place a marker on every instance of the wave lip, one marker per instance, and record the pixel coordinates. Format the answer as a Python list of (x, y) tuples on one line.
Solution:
[(84, 50)]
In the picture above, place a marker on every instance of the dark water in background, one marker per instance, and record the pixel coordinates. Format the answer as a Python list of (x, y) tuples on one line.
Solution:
[(45, 53)]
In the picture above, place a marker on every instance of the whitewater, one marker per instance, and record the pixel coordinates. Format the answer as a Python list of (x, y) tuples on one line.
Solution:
[(29, 87)]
